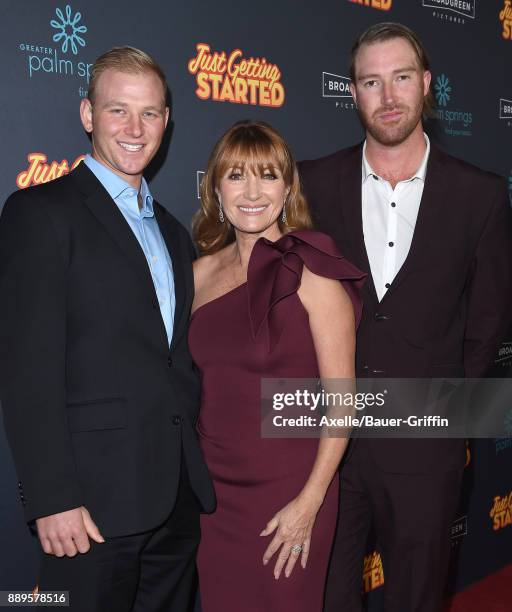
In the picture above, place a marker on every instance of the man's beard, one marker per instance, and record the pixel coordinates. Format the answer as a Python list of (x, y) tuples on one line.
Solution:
[(394, 133)]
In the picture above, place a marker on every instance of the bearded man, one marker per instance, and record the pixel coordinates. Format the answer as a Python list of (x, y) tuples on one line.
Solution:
[(434, 235)]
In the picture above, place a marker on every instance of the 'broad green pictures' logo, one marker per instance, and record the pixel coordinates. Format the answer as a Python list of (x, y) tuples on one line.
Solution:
[(506, 111), (453, 11), (336, 86), (455, 122)]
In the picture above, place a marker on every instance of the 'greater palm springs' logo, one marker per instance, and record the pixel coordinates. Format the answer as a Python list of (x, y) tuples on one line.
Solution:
[(69, 30), (505, 442), (66, 31), (455, 122), (442, 89)]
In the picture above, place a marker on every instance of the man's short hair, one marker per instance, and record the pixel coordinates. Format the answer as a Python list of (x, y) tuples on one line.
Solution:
[(381, 32), (125, 59)]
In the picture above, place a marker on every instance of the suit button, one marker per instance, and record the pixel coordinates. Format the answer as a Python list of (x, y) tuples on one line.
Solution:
[(366, 368), (381, 317), (20, 486), (176, 419), (169, 362)]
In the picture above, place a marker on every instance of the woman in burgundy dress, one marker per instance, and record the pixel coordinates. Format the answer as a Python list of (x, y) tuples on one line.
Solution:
[(273, 299)]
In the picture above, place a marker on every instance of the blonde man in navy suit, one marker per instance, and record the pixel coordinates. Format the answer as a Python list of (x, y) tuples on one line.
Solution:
[(98, 389)]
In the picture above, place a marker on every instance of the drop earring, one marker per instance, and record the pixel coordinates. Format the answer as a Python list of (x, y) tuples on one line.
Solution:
[(221, 212), (283, 215)]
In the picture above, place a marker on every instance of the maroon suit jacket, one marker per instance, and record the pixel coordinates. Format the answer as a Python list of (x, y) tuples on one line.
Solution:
[(450, 304)]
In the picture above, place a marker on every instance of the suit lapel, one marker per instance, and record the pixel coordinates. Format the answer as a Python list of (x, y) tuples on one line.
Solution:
[(108, 214), (173, 243), (351, 206), (428, 221)]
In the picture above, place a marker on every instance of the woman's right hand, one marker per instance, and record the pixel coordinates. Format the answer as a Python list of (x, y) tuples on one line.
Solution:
[(293, 526)]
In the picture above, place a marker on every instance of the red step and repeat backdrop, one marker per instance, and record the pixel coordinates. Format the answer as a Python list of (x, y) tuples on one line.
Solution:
[(286, 63)]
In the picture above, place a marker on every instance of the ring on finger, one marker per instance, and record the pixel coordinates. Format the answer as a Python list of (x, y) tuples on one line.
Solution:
[(296, 549)]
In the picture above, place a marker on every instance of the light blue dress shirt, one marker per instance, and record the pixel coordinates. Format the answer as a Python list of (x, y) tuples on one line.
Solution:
[(144, 225)]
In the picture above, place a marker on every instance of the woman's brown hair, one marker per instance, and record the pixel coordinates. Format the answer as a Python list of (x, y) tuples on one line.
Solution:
[(251, 146)]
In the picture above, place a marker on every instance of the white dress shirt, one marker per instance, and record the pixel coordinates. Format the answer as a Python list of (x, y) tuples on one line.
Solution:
[(389, 219)]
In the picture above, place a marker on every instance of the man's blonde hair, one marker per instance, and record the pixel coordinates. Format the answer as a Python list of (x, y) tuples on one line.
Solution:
[(125, 59)]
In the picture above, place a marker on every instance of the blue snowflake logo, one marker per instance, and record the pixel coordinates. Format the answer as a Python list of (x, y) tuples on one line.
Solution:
[(443, 89), (69, 30)]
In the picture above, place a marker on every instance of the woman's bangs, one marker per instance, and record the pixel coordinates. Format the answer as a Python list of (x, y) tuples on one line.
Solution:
[(250, 155)]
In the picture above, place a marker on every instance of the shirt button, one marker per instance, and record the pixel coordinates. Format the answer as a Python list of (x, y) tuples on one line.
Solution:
[(387, 285), (176, 419), (154, 259), (393, 204), (391, 243)]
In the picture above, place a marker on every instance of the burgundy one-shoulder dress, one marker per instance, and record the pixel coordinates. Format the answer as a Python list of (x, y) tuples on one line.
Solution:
[(261, 330)]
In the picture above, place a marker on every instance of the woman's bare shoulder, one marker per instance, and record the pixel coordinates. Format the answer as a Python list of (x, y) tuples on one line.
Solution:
[(322, 294), (203, 268), (208, 266)]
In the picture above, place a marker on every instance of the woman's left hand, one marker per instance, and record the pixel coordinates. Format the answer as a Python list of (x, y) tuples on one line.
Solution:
[(294, 524)]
